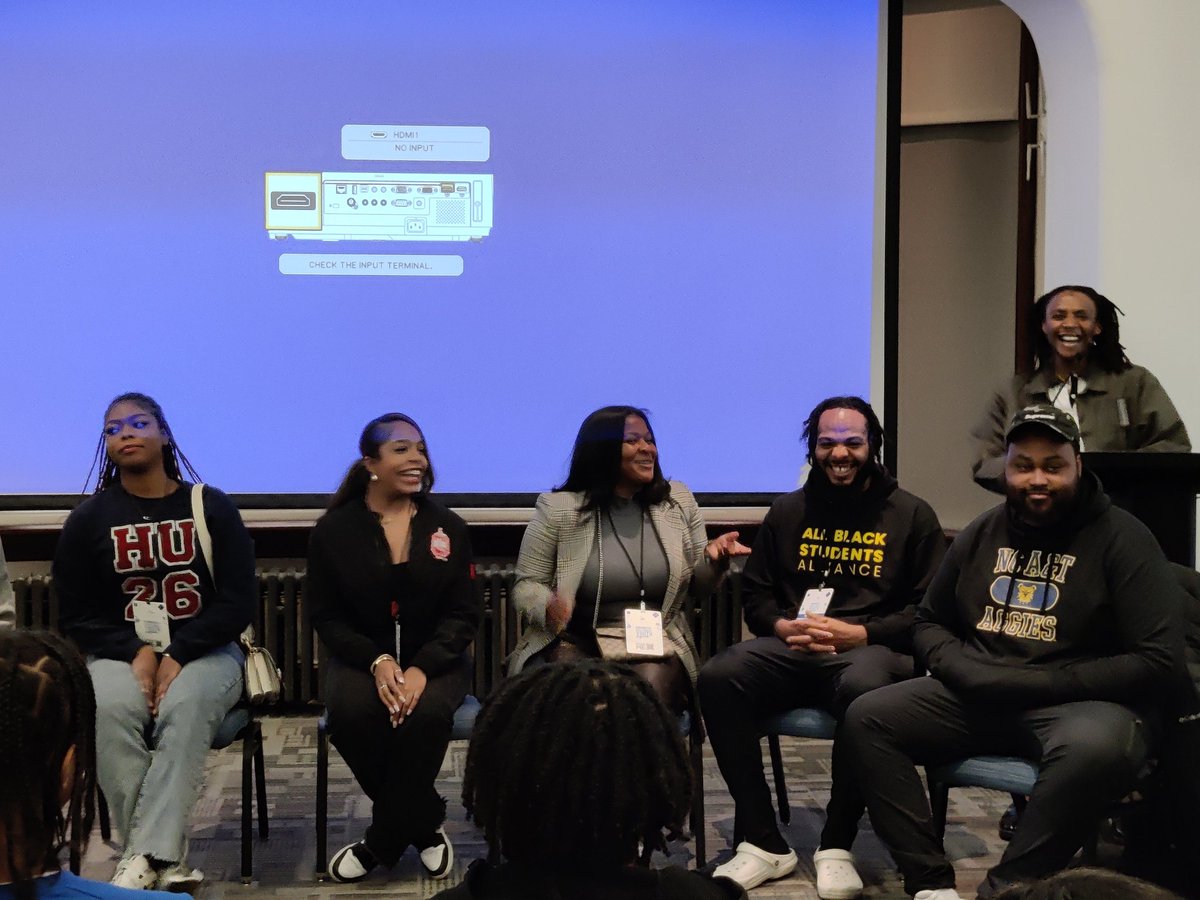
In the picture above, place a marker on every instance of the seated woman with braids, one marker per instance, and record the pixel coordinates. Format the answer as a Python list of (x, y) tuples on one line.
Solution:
[(617, 538), (573, 772), (159, 623), (47, 755)]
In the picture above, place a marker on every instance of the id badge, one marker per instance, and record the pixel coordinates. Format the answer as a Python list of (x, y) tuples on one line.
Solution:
[(151, 624), (643, 632), (815, 602)]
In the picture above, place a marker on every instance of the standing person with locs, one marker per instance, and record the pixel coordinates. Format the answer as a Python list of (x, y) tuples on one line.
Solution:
[(1082, 369), (159, 624), (389, 588)]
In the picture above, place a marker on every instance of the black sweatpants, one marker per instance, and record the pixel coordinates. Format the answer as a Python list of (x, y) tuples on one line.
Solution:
[(1090, 753), (395, 767), (749, 681)]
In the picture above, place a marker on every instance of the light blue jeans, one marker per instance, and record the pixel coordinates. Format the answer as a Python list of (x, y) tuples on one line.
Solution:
[(151, 769)]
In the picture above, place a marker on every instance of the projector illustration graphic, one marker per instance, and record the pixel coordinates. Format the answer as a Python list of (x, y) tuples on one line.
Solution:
[(375, 206)]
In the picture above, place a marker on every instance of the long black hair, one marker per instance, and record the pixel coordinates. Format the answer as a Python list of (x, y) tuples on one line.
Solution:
[(375, 435), (1107, 351), (47, 706), (174, 462), (575, 766), (858, 404), (596, 459)]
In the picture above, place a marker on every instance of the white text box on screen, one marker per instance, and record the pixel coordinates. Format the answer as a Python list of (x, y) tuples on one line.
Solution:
[(369, 264), (458, 143)]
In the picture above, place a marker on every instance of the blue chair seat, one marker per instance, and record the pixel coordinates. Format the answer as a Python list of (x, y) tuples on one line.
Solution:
[(236, 721), (1010, 774), (998, 773), (806, 722), (464, 719)]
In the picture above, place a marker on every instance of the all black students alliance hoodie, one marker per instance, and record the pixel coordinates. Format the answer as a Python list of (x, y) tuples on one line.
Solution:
[(1084, 609)]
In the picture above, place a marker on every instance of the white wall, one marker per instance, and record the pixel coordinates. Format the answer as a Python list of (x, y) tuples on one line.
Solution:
[(1122, 170)]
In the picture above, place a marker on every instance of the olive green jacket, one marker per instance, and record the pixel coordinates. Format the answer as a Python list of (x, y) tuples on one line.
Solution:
[(1118, 411)]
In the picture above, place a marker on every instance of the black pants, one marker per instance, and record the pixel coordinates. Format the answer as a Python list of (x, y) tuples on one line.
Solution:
[(755, 679), (396, 767), (1090, 754)]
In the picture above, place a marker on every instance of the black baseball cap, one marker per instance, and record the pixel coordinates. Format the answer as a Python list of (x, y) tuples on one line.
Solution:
[(1043, 415)]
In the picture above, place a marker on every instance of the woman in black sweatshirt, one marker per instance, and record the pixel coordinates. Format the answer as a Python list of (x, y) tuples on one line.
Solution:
[(159, 623), (390, 593)]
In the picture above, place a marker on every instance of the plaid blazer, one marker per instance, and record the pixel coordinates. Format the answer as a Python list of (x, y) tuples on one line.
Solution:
[(560, 539)]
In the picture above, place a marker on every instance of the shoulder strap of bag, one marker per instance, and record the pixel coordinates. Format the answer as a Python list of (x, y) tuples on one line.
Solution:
[(205, 538), (202, 533)]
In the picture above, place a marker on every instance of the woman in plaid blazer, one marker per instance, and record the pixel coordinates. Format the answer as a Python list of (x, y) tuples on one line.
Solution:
[(616, 536)]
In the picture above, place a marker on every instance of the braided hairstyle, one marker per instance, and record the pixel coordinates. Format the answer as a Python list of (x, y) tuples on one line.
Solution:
[(1107, 351), (576, 767), (47, 706), (174, 462), (875, 435)]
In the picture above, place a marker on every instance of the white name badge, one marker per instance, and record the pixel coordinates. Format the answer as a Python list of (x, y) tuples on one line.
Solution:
[(815, 602), (151, 624), (643, 632)]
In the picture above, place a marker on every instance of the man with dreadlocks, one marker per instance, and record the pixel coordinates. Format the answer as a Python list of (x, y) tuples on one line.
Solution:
[(574, 771), (159, 623), (830, 591), (1082, 369), (47, 754)]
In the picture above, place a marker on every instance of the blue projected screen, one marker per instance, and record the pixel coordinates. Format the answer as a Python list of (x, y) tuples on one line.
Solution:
[(283, 219)]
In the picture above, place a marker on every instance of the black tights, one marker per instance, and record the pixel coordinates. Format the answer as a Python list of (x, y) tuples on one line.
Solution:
[(666, 676)]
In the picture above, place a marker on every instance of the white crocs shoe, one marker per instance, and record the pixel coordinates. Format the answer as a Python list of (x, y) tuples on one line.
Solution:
[(837, 879), (438, 859), (937, 894), (136, 873), (752, 866)]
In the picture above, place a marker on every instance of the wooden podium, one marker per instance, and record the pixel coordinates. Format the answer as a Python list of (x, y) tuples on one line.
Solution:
[(1158, 488)]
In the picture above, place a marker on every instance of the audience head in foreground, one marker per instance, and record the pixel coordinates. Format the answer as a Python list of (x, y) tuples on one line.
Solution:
[(574, 772), (47, 756), (1087, 884)]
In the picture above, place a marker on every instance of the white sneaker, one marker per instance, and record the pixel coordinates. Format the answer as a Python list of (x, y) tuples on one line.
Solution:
[(352, 863), (438, 859), (751, 866), (937, 894), (837, 879), (135, 873), (180, 878)]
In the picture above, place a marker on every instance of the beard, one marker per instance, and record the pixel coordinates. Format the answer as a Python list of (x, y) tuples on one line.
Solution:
[(1040, 513)]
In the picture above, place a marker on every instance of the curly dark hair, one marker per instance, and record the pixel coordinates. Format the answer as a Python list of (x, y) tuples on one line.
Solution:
[(174, 462), (576, 766), (874, 428), (47, 707), (376, 433), (1087, 883), (596, 459), (1107, 351)]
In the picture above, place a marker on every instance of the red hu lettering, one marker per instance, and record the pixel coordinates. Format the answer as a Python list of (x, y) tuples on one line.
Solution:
[(177, 542), (133, 548)]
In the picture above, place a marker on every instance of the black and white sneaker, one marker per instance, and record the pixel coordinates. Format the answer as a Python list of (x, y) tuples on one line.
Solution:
[(352, 863), (438, 858)]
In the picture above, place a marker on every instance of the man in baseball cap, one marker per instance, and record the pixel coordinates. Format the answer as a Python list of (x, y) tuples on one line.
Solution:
[(1052, 631)]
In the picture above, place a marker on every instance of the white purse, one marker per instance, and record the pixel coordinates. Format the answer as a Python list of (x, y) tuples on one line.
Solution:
[(263, 680)]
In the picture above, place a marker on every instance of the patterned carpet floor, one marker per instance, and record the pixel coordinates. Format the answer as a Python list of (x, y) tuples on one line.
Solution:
[(283, 864)]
